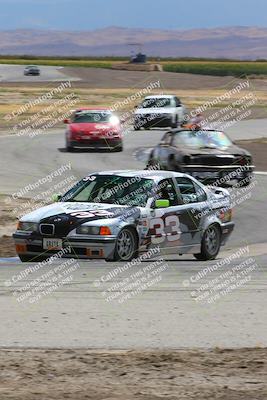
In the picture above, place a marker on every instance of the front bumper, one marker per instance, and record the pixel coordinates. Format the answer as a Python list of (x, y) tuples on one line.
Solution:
[(96, 143), (74, 247), (149, 121), (222, 174), (227, 228)]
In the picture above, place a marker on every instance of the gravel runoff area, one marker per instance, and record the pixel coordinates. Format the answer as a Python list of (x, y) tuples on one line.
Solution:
[(54, 374)]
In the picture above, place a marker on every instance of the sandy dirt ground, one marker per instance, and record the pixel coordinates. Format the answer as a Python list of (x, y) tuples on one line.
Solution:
[(8, 223), (125, 375)]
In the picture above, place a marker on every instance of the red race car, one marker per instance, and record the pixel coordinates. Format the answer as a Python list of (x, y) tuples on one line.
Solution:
[(93, 129)]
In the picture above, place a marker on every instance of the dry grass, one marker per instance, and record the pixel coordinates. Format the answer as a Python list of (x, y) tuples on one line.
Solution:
[(12, 98)]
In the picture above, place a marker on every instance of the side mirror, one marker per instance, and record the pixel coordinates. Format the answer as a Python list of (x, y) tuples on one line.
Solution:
[(66, 121), (56, 197), (162, 203)]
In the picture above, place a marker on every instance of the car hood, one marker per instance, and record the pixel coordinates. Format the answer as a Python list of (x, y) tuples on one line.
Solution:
[(79, 213), (167, 110), (91, 127), (231, 150)]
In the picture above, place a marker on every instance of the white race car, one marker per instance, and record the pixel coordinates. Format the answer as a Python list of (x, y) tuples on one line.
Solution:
[(159, 111), (115, 215)]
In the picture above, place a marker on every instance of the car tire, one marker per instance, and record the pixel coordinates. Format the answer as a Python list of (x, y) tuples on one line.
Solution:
[(210, 243), (69, 148), (126, 247), (118, 148), (175, 123), (28, 258), (246, 181), (151, 164), (172, 165), (186, 118)]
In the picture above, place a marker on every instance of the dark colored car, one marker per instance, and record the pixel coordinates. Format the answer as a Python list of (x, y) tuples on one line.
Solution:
[(208, 155), (94, 129), (32, 70)]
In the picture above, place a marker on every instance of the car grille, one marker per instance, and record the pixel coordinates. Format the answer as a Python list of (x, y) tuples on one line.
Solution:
[(214, 160), (47, 229), (75, 251)]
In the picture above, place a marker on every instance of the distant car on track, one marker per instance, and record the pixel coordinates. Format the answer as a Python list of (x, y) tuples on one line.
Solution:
[(208, 155), (32, 70), (93, 128), (159, 111), (115, 215)]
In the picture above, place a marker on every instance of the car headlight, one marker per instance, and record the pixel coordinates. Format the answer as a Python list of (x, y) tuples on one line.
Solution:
[(27, 226), (88, 230), (114, 120), (93, 230)]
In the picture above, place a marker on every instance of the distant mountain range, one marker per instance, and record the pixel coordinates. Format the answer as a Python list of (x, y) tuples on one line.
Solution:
[(227, 42)]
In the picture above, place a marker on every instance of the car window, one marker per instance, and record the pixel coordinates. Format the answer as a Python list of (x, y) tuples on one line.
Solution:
[(187, 190), (200, 192), (166, 191), (201, 139), (156, 102), (111, 189), (84, 116)]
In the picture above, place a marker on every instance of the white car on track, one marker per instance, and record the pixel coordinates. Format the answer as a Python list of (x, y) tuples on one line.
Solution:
[(159, 111)]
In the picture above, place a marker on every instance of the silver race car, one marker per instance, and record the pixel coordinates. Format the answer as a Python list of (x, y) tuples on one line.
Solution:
[(116, 215)]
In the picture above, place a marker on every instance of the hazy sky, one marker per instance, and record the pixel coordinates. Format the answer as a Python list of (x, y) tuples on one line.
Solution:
[(163, 14)]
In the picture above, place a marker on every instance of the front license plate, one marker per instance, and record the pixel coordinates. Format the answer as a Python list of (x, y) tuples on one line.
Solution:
[(52, 244), (87, 137)]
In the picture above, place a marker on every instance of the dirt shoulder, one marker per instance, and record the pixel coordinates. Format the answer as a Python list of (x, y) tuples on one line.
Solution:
[(125, 375), (258, 149), (9, 210)]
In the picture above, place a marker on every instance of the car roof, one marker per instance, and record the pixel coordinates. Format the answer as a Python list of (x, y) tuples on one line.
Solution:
[(151, 174), (93, 109), (156, 96)]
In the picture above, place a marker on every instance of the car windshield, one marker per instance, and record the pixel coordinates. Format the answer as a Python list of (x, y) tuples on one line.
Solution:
[(91, 116), (111, 189), (158, 102), (201, 139)]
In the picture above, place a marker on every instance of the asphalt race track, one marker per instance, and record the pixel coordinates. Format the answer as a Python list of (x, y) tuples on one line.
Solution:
[(14, 73), (166, 314)]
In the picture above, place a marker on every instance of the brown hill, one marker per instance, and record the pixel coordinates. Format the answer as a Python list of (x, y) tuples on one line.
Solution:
[(230, 42)]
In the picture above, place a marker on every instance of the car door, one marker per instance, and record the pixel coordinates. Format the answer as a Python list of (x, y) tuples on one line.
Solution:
[(195, 206), (177, 227), (163, 223)]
